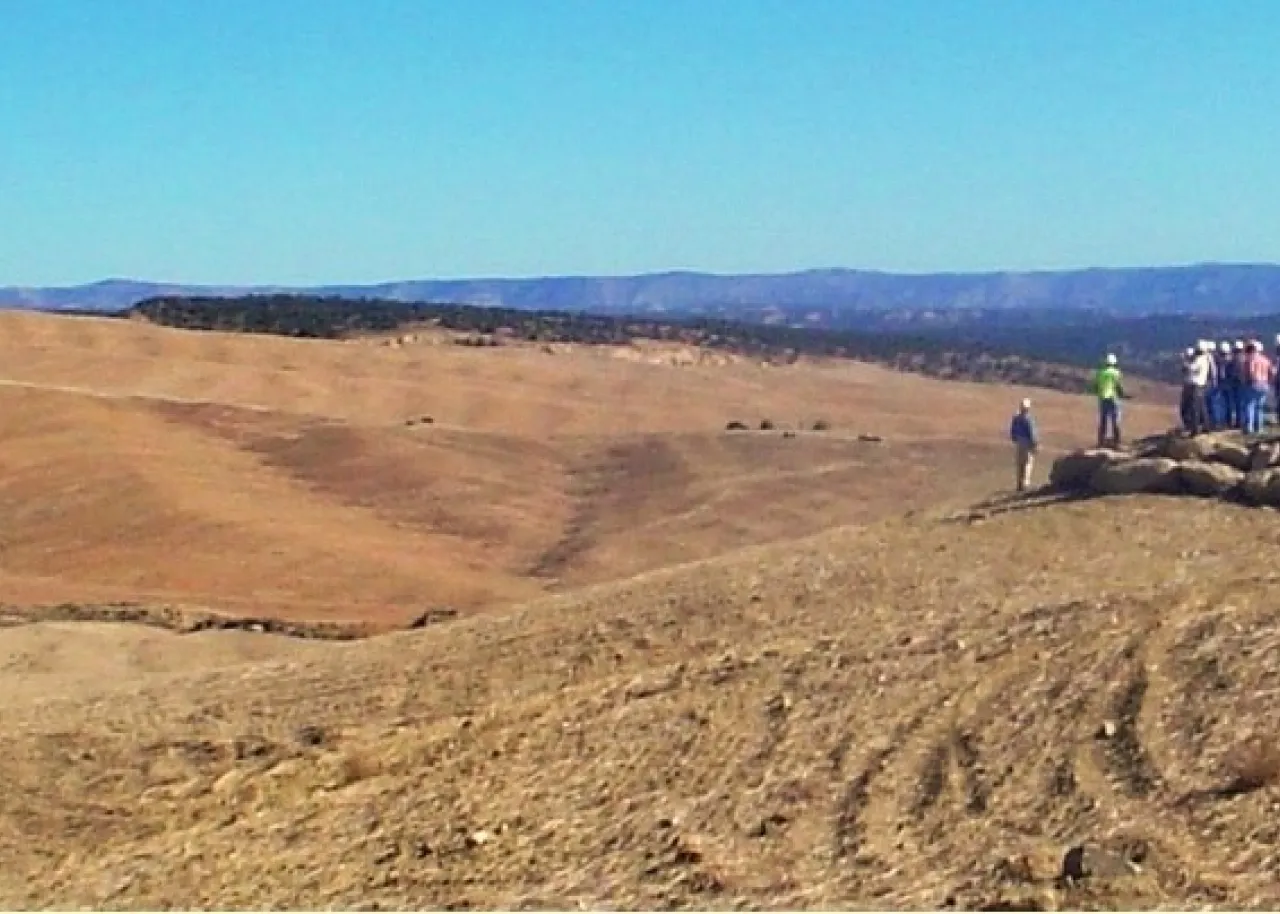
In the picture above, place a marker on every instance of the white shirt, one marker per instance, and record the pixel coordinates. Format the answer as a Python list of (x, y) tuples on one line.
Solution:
[(1196, 370)]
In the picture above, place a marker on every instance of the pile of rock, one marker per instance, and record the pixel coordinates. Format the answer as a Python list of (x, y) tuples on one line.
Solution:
[(1223, 465)]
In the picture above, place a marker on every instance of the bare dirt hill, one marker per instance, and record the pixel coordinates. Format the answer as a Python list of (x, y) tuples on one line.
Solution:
[(269, 475), (923, 712), (669, 682)]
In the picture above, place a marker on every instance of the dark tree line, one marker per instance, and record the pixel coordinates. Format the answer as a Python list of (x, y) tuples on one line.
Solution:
[(337, 318)]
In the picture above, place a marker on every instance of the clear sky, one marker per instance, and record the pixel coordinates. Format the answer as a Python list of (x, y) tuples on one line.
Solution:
[(307, 141)]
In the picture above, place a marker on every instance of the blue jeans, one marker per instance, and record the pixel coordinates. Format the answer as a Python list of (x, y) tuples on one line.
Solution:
[(1230, 405), (1255, 401), (1219, 407), (1108, 421)]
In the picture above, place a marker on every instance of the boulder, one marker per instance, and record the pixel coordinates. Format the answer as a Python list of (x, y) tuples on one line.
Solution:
[(1264, 454), (1112, 858), (1223, 447), (1210, 480), (1181, 447), (1233, 454), (1089, 861), (1129, 477), (1262, 487), (1149, 446), (1076, 469)]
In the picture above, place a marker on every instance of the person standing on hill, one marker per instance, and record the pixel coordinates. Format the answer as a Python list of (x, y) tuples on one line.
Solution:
[(1184, 399), (1196, 371), (1026, 441), (1224, 412), (1107, 385), (1258, 375), (1242, 383), (1213, 383), (1275, 377)]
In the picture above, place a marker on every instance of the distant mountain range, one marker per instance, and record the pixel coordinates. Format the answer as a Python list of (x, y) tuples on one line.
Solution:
[(837, 298)]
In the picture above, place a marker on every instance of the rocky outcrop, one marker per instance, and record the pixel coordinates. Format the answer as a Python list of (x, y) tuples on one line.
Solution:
[(1224, 465), (1074, 470), (1208, 479), (1262, 486), (1140, 474)]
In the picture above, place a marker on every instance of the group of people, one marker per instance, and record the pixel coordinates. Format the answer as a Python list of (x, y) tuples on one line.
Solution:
[(1224, 386)]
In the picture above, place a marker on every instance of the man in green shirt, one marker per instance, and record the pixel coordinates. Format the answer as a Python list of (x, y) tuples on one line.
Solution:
[(1107, 385)]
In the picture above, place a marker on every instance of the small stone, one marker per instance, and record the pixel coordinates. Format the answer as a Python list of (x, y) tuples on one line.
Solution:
[(1086, 861), (778, 704), (1107, 730), (310, 735)]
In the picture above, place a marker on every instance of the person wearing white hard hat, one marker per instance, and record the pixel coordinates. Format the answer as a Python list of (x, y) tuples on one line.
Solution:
[(1275, 378), (1107, 385), (1196, 372), (1184, 400), (1238, 356), (1258, 375), (1026, 441), (1209, 351), (1222, 409)]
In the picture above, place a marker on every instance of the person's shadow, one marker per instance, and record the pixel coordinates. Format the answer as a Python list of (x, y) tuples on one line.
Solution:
[(1040, 497)]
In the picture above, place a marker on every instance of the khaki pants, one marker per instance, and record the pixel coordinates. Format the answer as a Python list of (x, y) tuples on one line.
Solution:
[(1024, 463)]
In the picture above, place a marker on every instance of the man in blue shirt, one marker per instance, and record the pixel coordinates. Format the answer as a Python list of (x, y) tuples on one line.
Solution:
[(1022, 432)]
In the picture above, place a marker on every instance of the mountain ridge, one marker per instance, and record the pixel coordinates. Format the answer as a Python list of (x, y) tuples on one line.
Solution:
[(823, 297)]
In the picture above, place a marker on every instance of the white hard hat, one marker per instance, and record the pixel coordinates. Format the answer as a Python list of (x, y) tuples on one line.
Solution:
[(1190, 351), (1239, 345), (1226, 347), (1111, 358), (1026, 403)]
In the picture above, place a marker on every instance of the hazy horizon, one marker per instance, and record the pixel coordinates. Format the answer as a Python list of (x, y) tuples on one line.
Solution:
[(165, 281)]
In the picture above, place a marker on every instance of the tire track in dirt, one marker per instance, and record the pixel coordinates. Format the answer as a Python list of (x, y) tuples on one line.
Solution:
[(1097, 789), (1201, 809), (850, 829), (890, 810), (1125, 770), (1128, 762), (959, 782)]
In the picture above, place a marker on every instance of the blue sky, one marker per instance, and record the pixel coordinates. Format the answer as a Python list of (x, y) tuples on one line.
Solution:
[(306, 141)]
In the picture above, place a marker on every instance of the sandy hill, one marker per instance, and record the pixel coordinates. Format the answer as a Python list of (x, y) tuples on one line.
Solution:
[(262, 474), (918, 712), (690, 667)]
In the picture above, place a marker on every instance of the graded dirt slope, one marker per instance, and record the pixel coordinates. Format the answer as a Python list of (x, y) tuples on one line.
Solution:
[(68, 659), (104, 499), (261, 475), (920, 712)]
